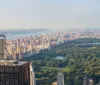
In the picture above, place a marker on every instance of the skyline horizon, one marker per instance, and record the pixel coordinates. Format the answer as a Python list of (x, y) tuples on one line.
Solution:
[(45, 28)]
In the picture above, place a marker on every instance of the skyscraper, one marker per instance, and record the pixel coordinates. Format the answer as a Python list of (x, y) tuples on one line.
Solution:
[(2, 46), (60, 79), (54, 83), (19, 49), (13, 72)]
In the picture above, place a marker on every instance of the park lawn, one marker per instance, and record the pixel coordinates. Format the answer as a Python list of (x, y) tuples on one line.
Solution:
[(65, 69), (42, 78)]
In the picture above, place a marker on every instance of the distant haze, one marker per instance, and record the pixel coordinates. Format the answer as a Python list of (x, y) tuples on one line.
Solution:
[(52, 14)]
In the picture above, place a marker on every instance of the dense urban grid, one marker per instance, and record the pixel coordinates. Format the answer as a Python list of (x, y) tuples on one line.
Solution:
[(28, 46)]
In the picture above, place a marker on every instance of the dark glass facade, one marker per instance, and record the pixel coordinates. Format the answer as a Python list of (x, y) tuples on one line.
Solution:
[(15, 74)]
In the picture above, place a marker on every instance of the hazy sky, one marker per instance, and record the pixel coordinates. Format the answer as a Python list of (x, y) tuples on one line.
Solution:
[(49, 14)]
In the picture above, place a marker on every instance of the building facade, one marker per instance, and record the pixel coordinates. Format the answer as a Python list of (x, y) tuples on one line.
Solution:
[(60, 79), (2, 46), (90, 81), (32, 76), (14, 73), (85, 80)]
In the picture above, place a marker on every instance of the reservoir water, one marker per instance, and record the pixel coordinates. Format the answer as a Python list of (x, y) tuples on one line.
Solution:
[(60, 57)]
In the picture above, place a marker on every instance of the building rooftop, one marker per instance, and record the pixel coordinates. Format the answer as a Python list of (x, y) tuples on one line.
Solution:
[(2, 36), (60, 74), (12, 62), (54, 83)]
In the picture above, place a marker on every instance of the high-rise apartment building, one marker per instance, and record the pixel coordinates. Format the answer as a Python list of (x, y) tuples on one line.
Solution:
[(14, 72), (60, 79), (2, 46), (19, 50)]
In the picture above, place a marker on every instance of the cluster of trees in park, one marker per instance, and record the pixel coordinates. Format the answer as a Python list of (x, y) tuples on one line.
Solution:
[(85, 40), (81, 59)]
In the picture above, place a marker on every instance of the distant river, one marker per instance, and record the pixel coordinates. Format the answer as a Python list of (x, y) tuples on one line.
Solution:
[(16, 36)]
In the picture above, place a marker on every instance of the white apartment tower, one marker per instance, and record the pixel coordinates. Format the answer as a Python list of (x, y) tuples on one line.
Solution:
[(60, 79)]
